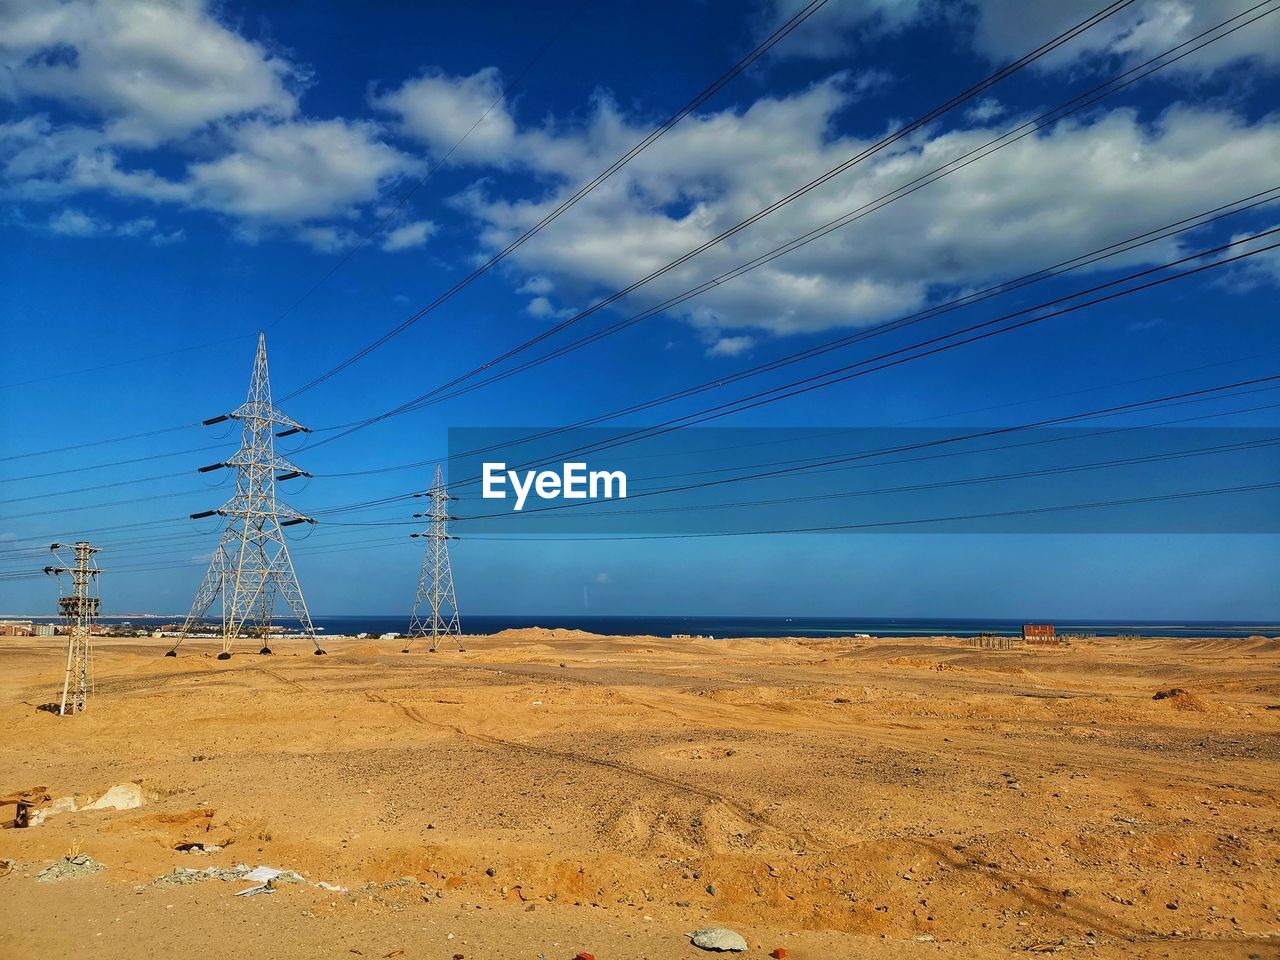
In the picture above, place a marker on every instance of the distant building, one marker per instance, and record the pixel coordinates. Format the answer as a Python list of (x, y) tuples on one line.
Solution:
[(46, 630), (389, 636), (16, 628), (1042, 635)]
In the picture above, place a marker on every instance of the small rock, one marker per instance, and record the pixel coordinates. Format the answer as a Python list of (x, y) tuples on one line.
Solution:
[(718, 938), (491, 872), (778, 953), (711, 889)]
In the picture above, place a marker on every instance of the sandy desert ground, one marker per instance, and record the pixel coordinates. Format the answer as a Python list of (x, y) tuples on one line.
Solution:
[(549, 792)]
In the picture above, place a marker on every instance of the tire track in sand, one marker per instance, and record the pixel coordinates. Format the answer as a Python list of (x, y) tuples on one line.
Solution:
[(567, 755)]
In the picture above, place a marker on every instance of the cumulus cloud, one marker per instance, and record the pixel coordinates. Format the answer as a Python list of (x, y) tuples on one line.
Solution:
[(409, 235), (1079, 185), (71, 222), (287, 172), (1263, 267), (440, 111), (832, 30), (731, 346), (540, 307), (1004, 30), (151, 68), (1007, 29), (538, 286), (144, 76)]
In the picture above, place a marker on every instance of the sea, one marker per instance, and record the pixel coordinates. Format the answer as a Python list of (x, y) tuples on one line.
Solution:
[(732, 627)]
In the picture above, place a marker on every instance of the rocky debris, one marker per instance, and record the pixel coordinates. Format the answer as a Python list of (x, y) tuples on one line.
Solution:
[(718, 939), (81, 865), (123, 796), (778, 953), (711, 889), (1168, 694), (264, 876), (185, 875), (198, 848)]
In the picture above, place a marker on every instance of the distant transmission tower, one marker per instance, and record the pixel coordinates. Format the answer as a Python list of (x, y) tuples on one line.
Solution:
[(251, 565), (435, 584), (79, 610)]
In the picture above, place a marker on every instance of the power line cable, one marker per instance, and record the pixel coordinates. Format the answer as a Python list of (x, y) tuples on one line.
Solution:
[(444, 392), (803, 14)]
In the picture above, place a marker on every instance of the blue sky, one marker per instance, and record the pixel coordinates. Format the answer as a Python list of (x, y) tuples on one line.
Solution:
[(176, 177)]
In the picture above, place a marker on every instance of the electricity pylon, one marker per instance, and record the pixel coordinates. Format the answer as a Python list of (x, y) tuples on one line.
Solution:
[(435, 583), (251, 566), (79, 610)]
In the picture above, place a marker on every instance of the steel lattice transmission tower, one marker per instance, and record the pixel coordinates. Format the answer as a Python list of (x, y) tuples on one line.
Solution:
[(435, 583), (251, 567), (79, 610)]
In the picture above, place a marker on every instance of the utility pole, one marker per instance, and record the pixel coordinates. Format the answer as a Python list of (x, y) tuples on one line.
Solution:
[(79, 610), (435, 583), (251, 566)]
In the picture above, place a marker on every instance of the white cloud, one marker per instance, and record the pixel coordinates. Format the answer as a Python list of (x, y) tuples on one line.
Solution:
[(150, 68), (409, 236), (1004, 30), (287, 172), (1262, 267), (832, 30), (150, 75), (1007, 29), (540, 307), (731, 346), (324, 238), (269, 174), (141, 227), (440, 111), (1074, 187), (984, 111), (169, 239), (73, 223), (538, 286)]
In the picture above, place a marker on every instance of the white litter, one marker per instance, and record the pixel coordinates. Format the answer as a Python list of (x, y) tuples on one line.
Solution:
[(263, 874), (260, 888)]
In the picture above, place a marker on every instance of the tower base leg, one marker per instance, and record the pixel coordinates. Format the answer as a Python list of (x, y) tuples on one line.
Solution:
[(172, 653), (319, 652), (224, 655), (265, 651)]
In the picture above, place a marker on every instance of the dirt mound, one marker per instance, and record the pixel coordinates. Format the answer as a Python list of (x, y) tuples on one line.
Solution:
[(1181, 699), (544, 634)]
